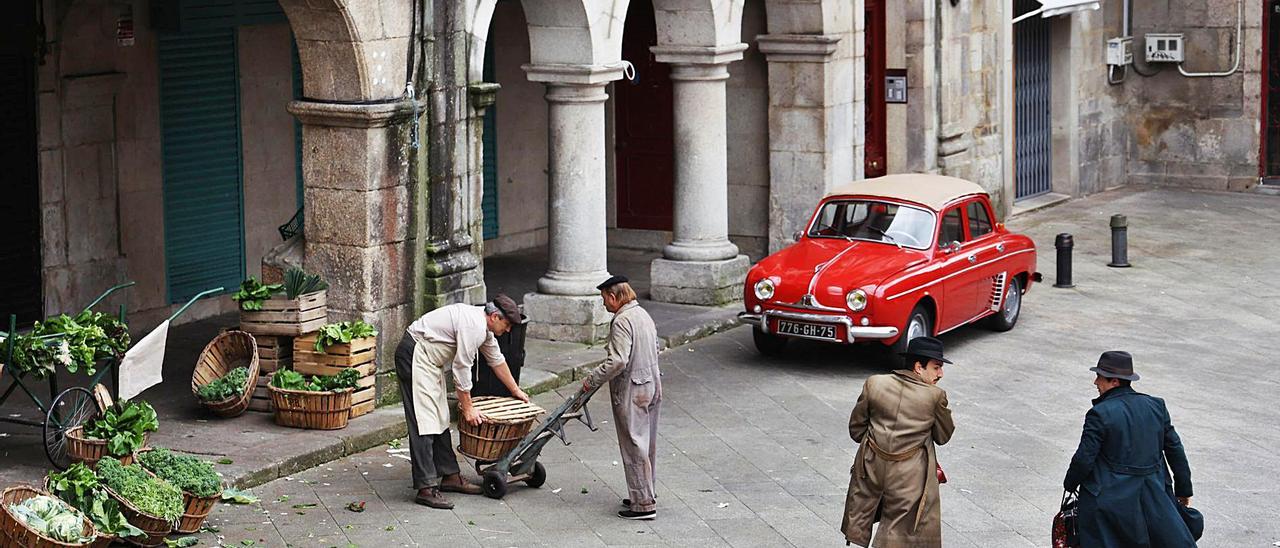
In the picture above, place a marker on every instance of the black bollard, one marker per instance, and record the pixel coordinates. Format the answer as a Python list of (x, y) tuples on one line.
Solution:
[(1064, 243), (1119, 242)]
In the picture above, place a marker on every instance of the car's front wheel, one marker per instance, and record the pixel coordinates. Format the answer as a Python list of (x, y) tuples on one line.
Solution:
[(918, 324), (767, 344), (1007, 317)]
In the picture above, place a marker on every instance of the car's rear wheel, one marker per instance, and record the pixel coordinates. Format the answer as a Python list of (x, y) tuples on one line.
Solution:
[(919, 324), (1007, 317), (767, 344)]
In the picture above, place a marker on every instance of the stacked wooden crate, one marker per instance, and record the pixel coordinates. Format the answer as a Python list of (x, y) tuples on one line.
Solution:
[(275, 327), (274, 352), (360, 354)]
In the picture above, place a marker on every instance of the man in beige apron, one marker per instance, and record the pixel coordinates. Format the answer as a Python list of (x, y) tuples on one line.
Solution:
[(447, 338), (635, 386)]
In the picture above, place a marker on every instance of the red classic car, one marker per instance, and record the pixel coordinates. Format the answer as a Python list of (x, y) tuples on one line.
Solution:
[(891, 259)]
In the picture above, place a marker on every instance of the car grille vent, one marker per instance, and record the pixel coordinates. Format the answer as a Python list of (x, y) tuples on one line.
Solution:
[(997, 291)]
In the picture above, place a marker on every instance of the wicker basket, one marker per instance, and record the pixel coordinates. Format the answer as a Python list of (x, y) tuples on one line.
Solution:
[(506, 421), (89, 450), (225, 352), (313, 410), (13, 532), (155, 527), (195, 509)]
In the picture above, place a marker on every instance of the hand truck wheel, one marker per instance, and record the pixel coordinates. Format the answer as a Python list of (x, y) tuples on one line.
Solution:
[(72, 408), (495, 484), (537, 477)]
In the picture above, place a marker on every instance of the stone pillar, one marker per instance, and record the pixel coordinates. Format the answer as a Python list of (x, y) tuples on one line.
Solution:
[(810, 126), (567, 305), (700, 265)]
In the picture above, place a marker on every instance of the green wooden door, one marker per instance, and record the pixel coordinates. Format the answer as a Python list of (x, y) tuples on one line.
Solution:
[(489, 200), (200, 142)]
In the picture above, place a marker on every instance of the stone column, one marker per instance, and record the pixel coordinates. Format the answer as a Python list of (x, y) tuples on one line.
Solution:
[(700, 265), (567, 305), (810, 126)]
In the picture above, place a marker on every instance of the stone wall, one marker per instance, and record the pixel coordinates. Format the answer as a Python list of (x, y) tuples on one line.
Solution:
[(747, 96)]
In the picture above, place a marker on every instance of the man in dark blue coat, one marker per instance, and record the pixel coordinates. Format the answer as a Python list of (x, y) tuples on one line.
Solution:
[(1127, 498)]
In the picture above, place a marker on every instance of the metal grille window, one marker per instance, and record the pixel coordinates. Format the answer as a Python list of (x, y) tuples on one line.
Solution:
[(1033, 88)]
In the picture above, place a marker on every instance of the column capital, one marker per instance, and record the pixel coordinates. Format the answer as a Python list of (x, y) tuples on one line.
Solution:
[(802, 48), (580, 75), (698, 55), (483, 94), (359, 115)]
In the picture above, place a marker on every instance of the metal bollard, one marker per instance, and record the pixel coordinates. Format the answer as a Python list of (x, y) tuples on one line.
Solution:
[(1063, 243), (1119, 241)]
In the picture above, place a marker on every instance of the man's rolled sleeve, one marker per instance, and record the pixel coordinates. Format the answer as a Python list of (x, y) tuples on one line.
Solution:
[(492, 352)]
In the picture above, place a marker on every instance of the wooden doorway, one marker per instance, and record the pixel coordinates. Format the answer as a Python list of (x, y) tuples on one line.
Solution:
[(644, 127), (20, 284), (1271, 93), (875, 161)]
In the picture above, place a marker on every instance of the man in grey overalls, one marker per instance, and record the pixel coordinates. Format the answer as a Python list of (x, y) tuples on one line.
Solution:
[(635, 386)]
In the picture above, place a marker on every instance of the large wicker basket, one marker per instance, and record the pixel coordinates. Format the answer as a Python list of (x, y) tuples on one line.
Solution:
[(226, 352), (313, 410), (506, 421), (81, 448), (15, 533), (155, 527), (195, 509)]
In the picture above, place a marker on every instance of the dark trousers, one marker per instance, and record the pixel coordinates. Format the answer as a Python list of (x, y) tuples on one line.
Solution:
[(432, 455)]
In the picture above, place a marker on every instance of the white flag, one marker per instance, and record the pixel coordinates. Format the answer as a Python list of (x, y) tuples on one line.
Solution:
[(143, 364)]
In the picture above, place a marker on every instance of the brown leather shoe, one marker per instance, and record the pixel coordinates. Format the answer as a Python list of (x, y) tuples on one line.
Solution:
[(430, 496), (455, 484)]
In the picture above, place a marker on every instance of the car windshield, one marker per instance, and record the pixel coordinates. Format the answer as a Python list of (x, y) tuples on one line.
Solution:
[(875, 221)]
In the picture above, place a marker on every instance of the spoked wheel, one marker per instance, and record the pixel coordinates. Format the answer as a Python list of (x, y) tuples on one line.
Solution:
[(495, 484), (73, 407), (538, 477)]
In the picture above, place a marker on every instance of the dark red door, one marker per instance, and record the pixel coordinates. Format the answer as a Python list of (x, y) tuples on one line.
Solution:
[(643, 128), (1271, 93), (874, 162), (20, 280)]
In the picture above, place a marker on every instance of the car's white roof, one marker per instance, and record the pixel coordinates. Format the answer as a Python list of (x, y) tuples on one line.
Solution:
[(934, 191)]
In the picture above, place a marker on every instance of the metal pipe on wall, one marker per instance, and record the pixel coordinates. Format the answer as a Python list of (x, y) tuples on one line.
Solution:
[(1236, 64)]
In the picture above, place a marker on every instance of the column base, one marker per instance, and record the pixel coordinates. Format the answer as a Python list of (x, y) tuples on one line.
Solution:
[(707, 283), (566, 317)]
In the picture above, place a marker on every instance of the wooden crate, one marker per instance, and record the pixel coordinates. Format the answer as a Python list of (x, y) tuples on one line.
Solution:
[(261, 400), (360, 354), (274, 352), (288, 317)]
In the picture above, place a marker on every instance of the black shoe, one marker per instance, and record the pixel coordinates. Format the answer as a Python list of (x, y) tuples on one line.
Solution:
[(628, 514), (626, 503)]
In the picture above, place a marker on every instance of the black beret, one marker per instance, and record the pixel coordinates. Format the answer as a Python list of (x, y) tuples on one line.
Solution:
[(615, 280)]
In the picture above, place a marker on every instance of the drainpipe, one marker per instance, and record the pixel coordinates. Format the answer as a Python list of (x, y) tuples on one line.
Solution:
[(1236, 64), (1126, 14)]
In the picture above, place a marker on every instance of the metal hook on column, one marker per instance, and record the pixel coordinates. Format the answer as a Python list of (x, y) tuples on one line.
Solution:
[(629, 72), (413, 125)]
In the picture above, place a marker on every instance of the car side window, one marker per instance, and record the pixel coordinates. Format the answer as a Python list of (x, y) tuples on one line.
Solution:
[(979, 221), (952, 227)]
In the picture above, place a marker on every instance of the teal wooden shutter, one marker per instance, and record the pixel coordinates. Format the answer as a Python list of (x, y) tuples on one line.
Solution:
[(489, 198), (200, 136)]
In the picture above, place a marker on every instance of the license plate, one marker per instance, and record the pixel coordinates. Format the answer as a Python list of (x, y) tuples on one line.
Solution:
[(806, 329)]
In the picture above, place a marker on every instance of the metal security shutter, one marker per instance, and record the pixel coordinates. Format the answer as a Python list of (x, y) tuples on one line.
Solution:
[(200, 136), (489, 200), (20, 280), (1033, 88)]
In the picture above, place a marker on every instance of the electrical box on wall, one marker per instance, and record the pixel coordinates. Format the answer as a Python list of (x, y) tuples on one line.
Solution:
[(1164, 48), (1120, 51)]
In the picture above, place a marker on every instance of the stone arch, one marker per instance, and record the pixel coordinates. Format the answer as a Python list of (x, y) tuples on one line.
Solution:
[(806, 17), (351, 50), (707, 23)]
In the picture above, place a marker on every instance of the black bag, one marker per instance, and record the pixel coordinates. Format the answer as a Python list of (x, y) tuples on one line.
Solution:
[(1193, 518), (1065, 533)]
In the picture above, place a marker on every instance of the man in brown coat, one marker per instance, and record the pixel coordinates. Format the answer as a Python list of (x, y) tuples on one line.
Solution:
[(896, 422)]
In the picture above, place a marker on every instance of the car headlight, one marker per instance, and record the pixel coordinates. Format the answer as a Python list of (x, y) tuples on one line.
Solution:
[(856, 300), (764, 289)]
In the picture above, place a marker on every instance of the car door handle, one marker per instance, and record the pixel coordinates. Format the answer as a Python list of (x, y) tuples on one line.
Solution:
[(1000, 248), (973, 258)]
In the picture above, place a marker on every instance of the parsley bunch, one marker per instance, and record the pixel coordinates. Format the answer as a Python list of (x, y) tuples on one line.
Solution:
[(187, 473), (150, 495)]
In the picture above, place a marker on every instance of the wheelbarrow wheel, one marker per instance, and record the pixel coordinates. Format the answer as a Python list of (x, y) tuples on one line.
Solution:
[(495, 484), (73, 407), (538, 477)]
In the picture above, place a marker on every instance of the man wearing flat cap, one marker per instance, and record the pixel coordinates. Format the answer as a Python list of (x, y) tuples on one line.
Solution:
[(1121, 468), (448, 339), (897, 421), (635, 386)]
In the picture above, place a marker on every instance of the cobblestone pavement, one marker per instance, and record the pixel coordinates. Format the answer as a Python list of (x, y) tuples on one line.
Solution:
[(755, 452)]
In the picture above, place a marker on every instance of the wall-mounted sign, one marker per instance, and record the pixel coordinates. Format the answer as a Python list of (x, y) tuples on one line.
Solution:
[(895, 85)]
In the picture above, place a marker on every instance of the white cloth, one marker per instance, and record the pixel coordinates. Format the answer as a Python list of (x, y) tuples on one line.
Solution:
[(462, 327), (430, 396), (143, 365)]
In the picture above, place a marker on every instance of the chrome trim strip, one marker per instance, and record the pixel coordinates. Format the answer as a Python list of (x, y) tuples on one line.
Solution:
[(874, 332), (817, 271), (980, 315), (954, 274), (749, 318)]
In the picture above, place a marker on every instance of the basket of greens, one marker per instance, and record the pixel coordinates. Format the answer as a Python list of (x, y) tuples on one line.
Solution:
[(118, 431), (148, 503), (201, 487), (287, 309), (31, 518), (80, 487), (321, 402), (226, 373), (77, 343)]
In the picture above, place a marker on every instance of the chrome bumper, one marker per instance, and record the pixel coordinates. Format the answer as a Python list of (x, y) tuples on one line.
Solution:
[(854, 332)]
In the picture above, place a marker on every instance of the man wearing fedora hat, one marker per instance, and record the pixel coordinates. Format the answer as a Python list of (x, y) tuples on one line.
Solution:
[(1121, 468), (897, 421)]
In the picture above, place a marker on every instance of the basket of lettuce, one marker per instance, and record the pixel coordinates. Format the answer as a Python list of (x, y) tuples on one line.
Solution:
[(80, 487), (148, 503), (33, 519), (226, 373), (118, 431), (201, 487), (318, 402)]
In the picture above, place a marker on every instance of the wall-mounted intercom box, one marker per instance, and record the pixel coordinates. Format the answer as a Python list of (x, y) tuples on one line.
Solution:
[(1120, 51), (1164, 48)]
